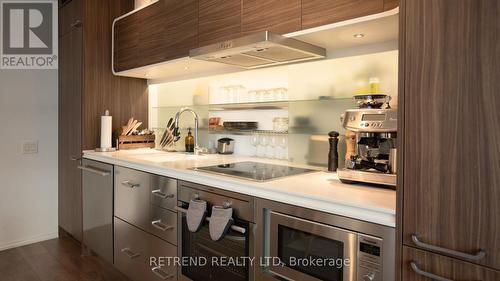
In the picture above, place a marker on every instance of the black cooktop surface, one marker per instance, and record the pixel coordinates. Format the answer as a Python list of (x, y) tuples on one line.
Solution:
[(254, 170)]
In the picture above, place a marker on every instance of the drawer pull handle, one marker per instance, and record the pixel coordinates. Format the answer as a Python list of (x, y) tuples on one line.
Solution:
[(162, 195), (432, 276), (130, 184), (93, 170), (129, 253), (161, 226), (161, 274), (480, 255)]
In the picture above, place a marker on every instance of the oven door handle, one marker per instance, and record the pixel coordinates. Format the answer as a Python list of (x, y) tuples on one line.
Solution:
[(161, 274), (236, 228)]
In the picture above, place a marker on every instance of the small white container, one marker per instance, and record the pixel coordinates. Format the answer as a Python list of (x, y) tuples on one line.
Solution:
[(280, 124)]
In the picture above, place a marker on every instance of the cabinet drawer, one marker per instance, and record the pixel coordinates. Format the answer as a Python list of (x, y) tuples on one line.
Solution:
[(163, 223), (133, 249), (132, 196), (163, 192), (425, 263)]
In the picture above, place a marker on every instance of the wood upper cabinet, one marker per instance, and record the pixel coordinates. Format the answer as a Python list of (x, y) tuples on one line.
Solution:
[(321, 12), (169, 29), (451, 179), (442, 266), (278, 16), (126, 45), (218, 20), (390, 4), (162, 31), (181, 28)]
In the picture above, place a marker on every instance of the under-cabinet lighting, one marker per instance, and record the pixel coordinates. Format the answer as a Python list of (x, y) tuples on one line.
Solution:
[(359, 35)]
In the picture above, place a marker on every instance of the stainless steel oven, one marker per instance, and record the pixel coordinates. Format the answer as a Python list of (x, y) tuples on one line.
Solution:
[(198, 251), (306, 245)]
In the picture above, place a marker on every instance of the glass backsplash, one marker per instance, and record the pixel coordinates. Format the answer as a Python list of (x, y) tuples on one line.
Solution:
[(317, 93)]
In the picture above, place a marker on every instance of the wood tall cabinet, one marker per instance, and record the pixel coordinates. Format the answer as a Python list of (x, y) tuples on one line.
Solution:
[(450, 186), (87, 88)]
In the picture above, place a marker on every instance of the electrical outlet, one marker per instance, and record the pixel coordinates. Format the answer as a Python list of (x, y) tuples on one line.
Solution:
[(30, 147)]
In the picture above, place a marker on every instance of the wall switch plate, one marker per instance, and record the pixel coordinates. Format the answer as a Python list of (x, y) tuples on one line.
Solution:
[(30, 147)]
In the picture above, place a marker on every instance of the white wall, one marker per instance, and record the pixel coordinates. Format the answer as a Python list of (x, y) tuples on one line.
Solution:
[(337, 78), (28, 188)]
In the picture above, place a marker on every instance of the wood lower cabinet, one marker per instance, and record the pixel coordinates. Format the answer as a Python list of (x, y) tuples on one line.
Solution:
[(450, 185), (218, 20), (278, 16), (420, 265), (321, 12), (87, 88)]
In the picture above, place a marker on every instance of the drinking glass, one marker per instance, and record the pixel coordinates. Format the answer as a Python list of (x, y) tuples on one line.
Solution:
[(254, 141), (263, 141), (252, 96), (283, 143), (261, 96), (273, 142)]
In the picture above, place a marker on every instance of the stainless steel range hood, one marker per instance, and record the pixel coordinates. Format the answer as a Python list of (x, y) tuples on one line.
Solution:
[(259, 50)]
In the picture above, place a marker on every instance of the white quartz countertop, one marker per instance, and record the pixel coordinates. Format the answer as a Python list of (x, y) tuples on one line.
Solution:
[(320, 190)]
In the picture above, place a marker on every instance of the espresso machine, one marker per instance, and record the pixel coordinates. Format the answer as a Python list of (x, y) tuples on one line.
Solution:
[(371, 142)]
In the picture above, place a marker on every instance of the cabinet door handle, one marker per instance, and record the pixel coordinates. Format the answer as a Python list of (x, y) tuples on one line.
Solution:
[(73, 158), (161, 226), (427, 274), (162, 195), (129, 253), (161, 274), (480, 255), (77, 23), (130, 184), (96, 171)]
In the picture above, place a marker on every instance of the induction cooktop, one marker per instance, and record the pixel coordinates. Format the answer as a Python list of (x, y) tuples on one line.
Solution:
[(254, 171)]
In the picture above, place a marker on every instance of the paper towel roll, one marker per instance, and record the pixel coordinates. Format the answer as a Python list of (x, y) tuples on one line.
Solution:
[(106, 130)]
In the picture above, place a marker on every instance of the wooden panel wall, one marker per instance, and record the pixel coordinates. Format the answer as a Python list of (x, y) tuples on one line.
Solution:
[(124, 97)]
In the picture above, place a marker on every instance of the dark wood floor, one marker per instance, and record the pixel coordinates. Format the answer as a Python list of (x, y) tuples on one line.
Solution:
[(54, 260)]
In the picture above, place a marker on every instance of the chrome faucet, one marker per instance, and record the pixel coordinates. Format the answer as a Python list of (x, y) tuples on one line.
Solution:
[(197, 149)]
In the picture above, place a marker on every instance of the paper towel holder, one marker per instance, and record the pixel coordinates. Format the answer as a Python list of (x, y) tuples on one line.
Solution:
[(105, 149)]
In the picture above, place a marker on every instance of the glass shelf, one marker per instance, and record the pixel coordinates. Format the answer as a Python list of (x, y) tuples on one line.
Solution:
[(251, 105), (177, 107), (266, 105), (245, 132)]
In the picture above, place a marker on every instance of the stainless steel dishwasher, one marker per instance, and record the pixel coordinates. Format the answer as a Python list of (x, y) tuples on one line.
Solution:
[(97, 196)]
